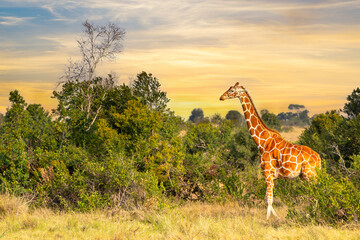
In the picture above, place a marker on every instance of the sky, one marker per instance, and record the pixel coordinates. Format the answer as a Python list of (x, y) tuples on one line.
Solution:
[(283, 52)]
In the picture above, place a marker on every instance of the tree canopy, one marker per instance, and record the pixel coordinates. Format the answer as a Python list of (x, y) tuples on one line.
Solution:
[(270, 119), (295, 107), (147, 89), (352, 106), (197, 115), (234, 116)]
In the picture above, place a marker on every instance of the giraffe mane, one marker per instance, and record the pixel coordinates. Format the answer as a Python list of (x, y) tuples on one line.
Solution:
[(262, 122)]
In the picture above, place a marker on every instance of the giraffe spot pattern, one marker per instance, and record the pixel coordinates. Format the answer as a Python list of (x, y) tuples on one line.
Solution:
[(279, 158)]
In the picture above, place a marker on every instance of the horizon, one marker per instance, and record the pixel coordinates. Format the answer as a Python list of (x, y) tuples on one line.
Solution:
[(297, 52)]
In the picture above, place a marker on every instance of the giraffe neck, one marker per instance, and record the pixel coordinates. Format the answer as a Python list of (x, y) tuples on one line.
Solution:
[(257, 128)]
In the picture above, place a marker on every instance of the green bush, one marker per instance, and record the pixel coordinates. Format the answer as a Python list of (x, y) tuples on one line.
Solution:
[(328, 200), (14, 164), (356, 163), (202, 137)]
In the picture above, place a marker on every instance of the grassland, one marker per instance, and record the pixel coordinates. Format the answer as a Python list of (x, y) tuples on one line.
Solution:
[(293, 134), (189, 221)]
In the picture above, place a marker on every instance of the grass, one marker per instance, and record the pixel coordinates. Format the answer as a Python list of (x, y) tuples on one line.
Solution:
[(190, 221), (293, 134)]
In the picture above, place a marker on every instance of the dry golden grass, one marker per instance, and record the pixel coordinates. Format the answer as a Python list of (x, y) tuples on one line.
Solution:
[(191, 221), (13, 206), (293, 135)]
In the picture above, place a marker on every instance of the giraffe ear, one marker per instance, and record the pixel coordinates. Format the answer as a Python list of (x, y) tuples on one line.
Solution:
[(237, 84)]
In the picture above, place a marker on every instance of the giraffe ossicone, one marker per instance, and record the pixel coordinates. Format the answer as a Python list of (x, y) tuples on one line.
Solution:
[(279, 158)]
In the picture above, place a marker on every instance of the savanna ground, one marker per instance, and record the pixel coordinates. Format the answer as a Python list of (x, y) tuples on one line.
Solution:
[(293, 134), (190, 221)]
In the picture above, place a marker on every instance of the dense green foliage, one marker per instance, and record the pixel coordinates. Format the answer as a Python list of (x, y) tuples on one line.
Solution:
[(352, 107), (147, 89), (234, 115), (197, 115), (331, 199), (270, 119), (128, 155), (334, 137)]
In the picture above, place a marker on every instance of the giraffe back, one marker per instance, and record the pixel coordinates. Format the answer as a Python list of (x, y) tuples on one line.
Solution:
[(289, 160)]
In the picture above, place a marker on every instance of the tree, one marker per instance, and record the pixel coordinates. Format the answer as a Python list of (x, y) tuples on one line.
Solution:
[(116, 101), (352, 107), (1, 119), (297, 117), (80, 103), (304, 117), (41, 129), (30, 122), (79, 85), (197, 114), (14, 162), (203, 137), (270, 119), (295, 107), (234, 115), (147, 88), (216, 119), (82, 94), (96, 44), (18, 105), (148, 140), (27, 129), (324, 134), (137, 122)]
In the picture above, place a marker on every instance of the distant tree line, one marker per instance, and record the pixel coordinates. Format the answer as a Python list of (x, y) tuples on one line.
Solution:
[(298, 116)]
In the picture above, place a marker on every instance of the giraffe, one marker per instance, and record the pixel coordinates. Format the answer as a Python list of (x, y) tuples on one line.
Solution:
[(279, 158)]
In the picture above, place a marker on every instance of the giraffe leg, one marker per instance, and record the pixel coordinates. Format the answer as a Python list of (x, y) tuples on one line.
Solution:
[(273, 212), (269, 195), (270, 210)]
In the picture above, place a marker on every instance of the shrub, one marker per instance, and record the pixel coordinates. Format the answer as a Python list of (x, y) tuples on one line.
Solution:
[(203, 137), (14, 164), (328, 200)]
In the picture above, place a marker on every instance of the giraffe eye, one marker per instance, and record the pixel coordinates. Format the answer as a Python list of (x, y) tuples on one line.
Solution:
[(232, 91)]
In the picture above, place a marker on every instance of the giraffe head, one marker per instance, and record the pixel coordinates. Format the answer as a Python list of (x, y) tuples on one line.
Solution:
[(233, 92)]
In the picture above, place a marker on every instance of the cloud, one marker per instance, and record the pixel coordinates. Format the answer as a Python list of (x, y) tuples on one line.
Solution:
[(10, 21), (280, 50)]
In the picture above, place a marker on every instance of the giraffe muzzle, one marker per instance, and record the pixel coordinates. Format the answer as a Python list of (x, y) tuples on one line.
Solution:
[(222, 98)]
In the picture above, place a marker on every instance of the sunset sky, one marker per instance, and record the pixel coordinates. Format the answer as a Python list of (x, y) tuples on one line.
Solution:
[(303, 52)]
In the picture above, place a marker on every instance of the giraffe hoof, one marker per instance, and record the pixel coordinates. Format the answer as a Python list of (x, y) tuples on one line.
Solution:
[(270, 210)]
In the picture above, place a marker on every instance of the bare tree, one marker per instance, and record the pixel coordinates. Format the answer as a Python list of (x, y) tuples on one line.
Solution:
[(79, 81)]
